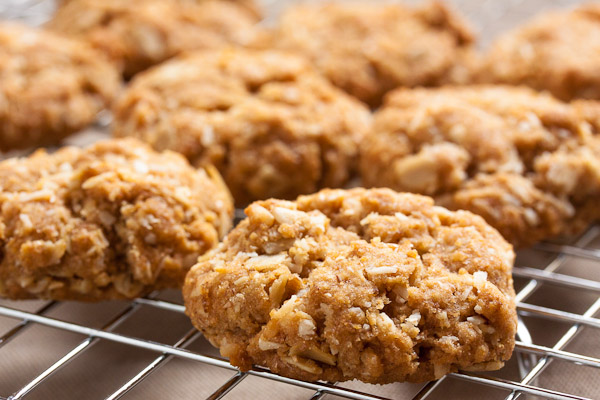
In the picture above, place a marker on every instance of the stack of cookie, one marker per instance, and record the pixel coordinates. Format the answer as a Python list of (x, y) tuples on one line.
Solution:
[(211, 109)]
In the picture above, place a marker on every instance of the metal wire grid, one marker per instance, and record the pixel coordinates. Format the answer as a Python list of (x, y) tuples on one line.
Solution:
[(533, 358)]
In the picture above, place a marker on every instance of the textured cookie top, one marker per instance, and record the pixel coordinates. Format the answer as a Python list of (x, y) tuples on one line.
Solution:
[(368, 49), (266, 119), (137, 34), (50, 86), (558, 52), (528, 163), (358, 284), (115, 220)]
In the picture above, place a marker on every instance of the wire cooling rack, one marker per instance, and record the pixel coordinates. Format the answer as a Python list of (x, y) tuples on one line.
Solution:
[(532, 359), (148, 349)]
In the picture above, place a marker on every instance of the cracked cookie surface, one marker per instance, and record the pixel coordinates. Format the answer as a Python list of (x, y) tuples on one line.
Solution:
[(357, 284), (115, 220), (368, 49), (50, 86), (526, 162), (270, 124), (138, 34), (557, 51)]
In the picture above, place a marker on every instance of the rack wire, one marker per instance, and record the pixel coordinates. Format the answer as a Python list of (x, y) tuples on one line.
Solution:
[(552, 328)]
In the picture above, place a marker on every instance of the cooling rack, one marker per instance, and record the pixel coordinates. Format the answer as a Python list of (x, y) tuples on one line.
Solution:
[(532, 359), (148, 349)]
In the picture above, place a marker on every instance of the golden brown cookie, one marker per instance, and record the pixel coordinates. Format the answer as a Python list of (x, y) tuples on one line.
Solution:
[(526, 162), (368, 49), (50, 86), (114, 220), (137, 34), (265, 119), (557, 51), (357, 284)]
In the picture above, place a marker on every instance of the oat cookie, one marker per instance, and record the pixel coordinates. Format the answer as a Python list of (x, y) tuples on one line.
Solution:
[(557, 51), (368, 49), (137, 34), (115, 220), (266, 119), (526, 162), (50, 86), (357, 284)]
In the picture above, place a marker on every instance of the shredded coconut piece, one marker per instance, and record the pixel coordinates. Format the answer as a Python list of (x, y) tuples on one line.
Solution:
[(449, 339), (414, 318), (107, 219), (208, 135), (268, 345), (259, 261), (479, 278), (26, 220), (476, 320), (140, 167), (531, 216), (318, 222), (285, 215), (465, 293), (399, 215), (306, 328), (381, 270), (262, 214), (37, 195), (366, 220), (402, 293)]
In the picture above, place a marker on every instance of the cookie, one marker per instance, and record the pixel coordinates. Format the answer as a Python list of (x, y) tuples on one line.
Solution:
[(113, 221), (50, 86), (368, 49), (357, 284), (138, 34), (528, 163), (270, 124), (557, 52)]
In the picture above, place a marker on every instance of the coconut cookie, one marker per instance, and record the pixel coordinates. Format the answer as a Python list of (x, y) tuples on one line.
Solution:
[(265, 119), (138, 34), (526, 162), (368, 49), (357, 284), (558, 52), (112, 221), (50, 86)]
